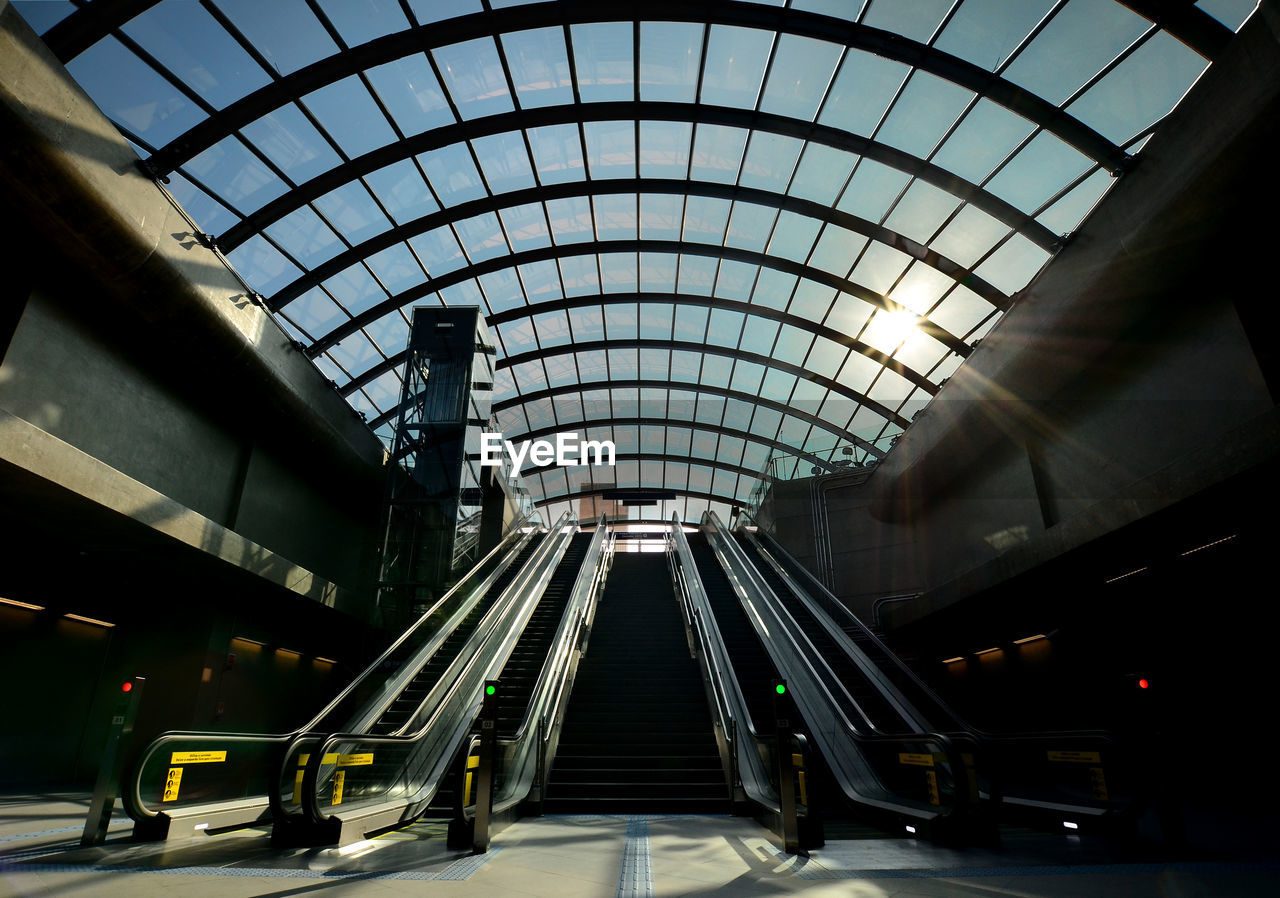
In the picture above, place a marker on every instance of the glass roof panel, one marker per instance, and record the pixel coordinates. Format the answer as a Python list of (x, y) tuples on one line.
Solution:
[(401, 191), (353, 212), (717, 153), (526, 227), (822, 173), (557, 153), (187, 41), (921, 116), (862, 92), (770, 161), (986, 32), (1140, 90), (504, 161), (539, 65), (798, 78), (473, 75), (303, 235), (611, 149), (286, 32), (664, 149), (165, 112), (900, 227), (670, 53), (734, 66), (452, 174), (1083, 37), (602, 55), (917, 20), (1037, 171), (986, 136)]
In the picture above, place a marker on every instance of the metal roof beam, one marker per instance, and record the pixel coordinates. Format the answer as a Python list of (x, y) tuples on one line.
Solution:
[(612, 186), (716, 12), (821, 276)]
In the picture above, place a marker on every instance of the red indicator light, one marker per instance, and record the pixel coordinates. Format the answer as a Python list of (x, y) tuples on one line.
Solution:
[(1143, 684), (126, 687)]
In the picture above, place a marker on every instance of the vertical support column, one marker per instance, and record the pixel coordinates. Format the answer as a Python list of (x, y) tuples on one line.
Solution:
[(484, 774), (108, 786)]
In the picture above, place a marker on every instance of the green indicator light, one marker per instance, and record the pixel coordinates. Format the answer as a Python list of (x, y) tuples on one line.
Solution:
[(782, 688), (490, 690)]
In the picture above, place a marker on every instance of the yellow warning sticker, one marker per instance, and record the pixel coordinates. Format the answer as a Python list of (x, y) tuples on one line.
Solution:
[(329, 758), (171, 784), (917, 760), (360, 760), (1076, 757), (198, 757), (297, 788), (932, 779), (1098, 782), (337, 786)]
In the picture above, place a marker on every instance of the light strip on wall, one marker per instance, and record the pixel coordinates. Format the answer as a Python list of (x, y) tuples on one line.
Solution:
[(988, 651), (953, 660), (1130, 574), (288, 652), (89, 620), (1216, 542), (325, 660), (16, 604), (1024, 640)]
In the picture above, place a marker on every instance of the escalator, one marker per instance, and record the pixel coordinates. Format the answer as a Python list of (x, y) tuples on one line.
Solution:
[(520, 674), (225, 780), (357, 783), (872, 703), (1040, 779), (883, 766), (752, 667), (400, 711), (638, 735)]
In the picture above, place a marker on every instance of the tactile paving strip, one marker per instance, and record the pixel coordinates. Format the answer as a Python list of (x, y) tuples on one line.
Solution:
[(636, 878)]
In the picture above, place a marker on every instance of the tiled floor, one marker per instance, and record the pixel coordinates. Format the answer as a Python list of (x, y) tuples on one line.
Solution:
[(566, 857)]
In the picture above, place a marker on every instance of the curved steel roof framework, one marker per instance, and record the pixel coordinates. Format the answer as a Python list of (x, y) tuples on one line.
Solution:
[(714, 232)]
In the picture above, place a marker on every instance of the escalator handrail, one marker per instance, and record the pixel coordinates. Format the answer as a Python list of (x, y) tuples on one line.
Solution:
[(557, 656), (869, 670), (131, 791), (553, 678), (490, 654), (813, 695), (830, 605), (741, 731)]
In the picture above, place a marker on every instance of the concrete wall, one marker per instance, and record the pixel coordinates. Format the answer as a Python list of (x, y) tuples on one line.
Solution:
[(170, 463)]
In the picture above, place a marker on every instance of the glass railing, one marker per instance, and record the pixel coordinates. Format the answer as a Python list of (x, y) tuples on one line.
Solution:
[(229, 779), (354, 782)]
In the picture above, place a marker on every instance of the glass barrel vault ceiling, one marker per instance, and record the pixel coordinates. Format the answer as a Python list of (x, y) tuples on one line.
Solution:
[(717, 231)]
